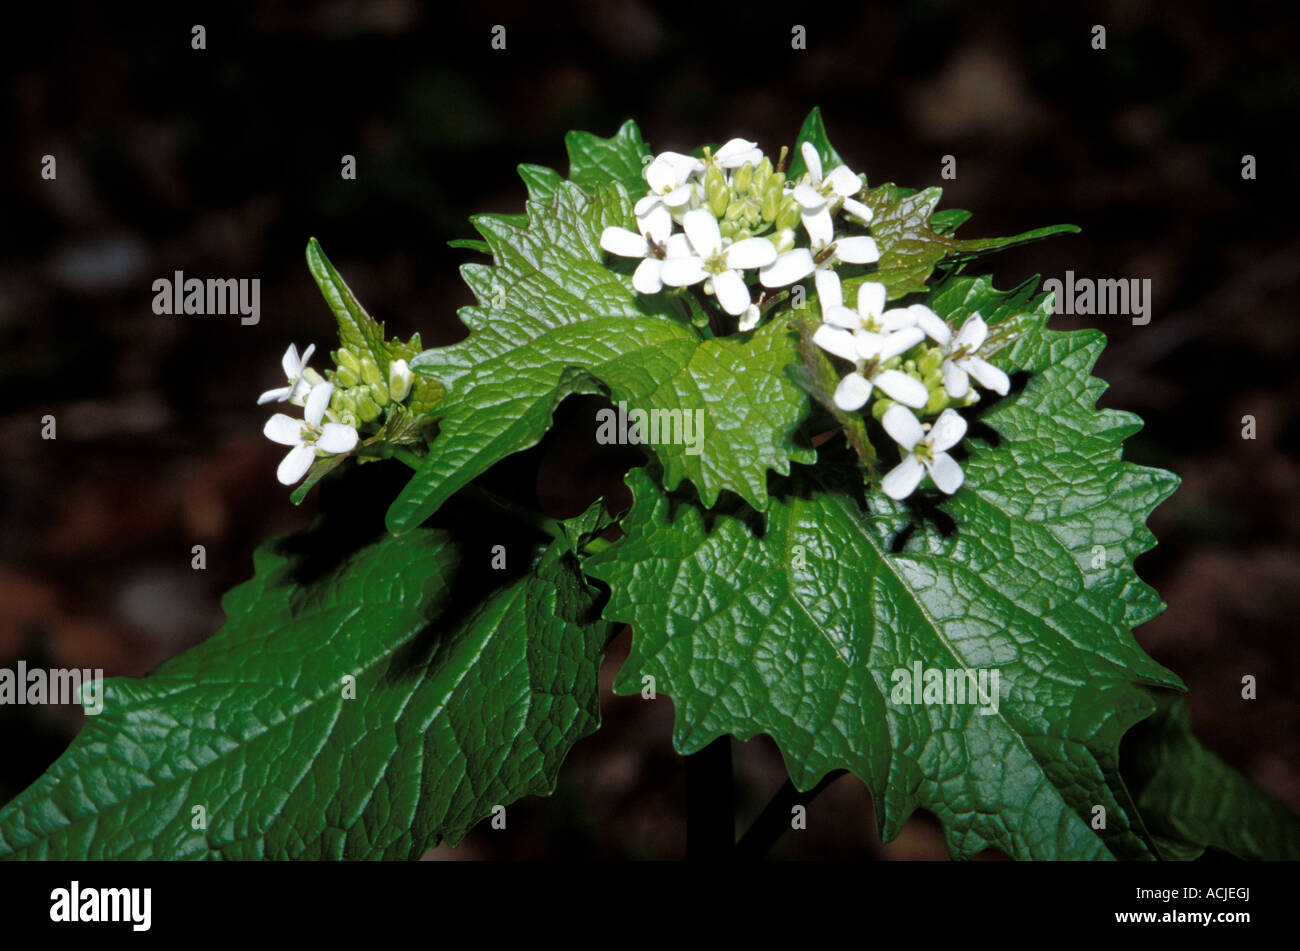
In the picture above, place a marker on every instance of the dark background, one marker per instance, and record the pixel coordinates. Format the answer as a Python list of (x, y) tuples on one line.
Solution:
[(222, 162)]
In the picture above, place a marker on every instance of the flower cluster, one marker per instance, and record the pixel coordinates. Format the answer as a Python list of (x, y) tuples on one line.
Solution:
[(355, 394), (740, 214), (743, 223), (921, 367)]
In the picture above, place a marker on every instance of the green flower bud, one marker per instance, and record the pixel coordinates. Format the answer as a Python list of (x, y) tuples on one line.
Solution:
[(367, 409), (734, 211), (346, 358), (399, 380), (716, 191), (728, 229), (788, 214), (761, 175), (930, 362), (741, 234), (370, 370), (345, 378), (379, 393), (770, 204), (937, 401), (744, 176), (880, 406), (784, 240)]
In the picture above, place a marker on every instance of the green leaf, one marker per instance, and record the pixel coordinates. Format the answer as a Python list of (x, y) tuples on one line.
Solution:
[(459, 705), (795, 627), (910, 247), (596, 163), (814, 131), (1192, 800), (548, 306), (541, 182), (357, 329), (472, 244)]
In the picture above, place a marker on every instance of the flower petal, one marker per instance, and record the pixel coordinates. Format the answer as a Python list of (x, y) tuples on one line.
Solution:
[(829, 292), (679, 246), (843, 182), (682, 272), (749, 319), (902, 480), (813, 161), (295, 465), (290, 363), (902, 426), (945, 472), (858, 249), (907, 390), (624, 243), (900, 341), (955, 381), (898, 318), (317, 401), (679, 196), (661, 175), (857, 210), (871, 298), (736, 152), (841, 316), (809, 198), (836, 341), (279, 395), (868, 344), (853, 392), (947, 430), (702, 228), (732, 292), (972, 333), (657, 223), (644, 205), (987, 375), (820, 227), (751, 252), (283, 429), (306, 356), (787, 268), (647, 279), (931, 323), (337, 437)]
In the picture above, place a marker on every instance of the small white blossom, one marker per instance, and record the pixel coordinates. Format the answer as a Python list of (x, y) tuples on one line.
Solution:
[(305, 436), (709, 260), (961, 355), (868, 351), (736, 152), (297, 371), (669, 177), (870, 314), (818, 196), (857, 249), (399, 380), (925, 451), (650, 245)]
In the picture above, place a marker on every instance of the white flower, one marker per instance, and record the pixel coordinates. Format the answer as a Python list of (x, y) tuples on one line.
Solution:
[(925, 451), (669, 177), (650, 245), (296, 369), (858, 249), (399, 380), (818, 195), (749, 319), (961, 355), (708, 260), (307, 435), (871, 314), (736, 152), (869, 351)]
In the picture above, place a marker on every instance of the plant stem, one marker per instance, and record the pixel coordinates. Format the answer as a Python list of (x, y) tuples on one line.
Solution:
[(710, 819), (775, 817)]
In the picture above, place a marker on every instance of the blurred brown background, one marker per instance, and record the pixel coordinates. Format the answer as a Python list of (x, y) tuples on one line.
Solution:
[(223, 162)]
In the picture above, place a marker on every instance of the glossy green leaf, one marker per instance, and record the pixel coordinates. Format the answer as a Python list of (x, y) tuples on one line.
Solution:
[(459, 705), (794, 624)]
